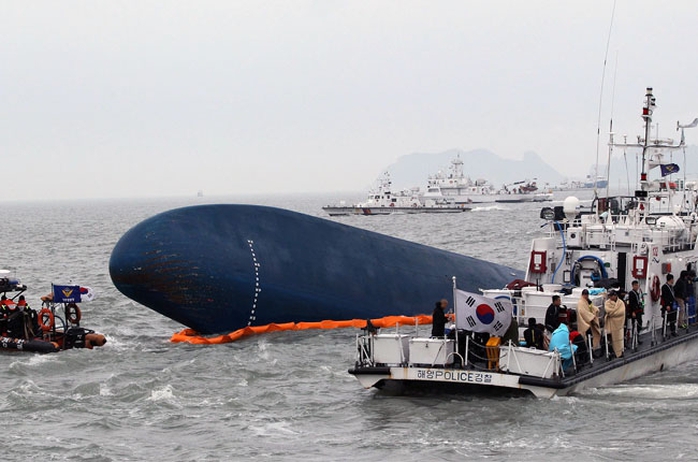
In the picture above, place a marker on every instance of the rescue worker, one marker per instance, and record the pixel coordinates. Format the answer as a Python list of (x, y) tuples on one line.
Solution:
[(534, 335), (14, 320), (680, 297), (552, 315), (691, 296), (668, 308), (636, 306), (30, 319), (438, 319), (3, 315)]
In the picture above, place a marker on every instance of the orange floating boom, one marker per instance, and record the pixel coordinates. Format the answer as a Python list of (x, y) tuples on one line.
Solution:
[(191, 336)]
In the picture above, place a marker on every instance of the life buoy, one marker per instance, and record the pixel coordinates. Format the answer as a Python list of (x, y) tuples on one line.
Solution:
[(46, 319), (73, 313), (655, 288)]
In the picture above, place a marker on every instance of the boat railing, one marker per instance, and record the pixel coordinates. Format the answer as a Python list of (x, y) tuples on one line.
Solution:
[(671, 238), (562, 369), (364, 350), (455, 355), (400, 350)]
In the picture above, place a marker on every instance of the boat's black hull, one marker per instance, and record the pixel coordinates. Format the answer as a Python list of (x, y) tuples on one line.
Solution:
[(217, 268)]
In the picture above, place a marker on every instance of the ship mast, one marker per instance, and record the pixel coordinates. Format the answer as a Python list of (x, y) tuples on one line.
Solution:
[(650, 104), (647, 110)]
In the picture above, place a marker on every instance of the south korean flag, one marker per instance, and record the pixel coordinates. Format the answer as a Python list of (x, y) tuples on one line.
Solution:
[(476, 313)]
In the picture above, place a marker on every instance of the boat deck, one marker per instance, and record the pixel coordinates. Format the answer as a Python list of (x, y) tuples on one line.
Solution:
[(652, 355), (648, 348)]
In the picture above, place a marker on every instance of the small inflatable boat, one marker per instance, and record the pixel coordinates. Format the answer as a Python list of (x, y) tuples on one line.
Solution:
[(54, 328)]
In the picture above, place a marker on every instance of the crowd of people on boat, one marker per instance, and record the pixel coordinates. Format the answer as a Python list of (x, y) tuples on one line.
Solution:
[(621, 316), (614, 323)]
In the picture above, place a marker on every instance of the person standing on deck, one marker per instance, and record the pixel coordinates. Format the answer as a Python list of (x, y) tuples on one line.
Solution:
[(438, 319), (3, 315), (14, 320), (691, 296), (668, 300), (680, 297), (552, 315), (615, 322), (588, 319), (636, 305), (30, 319)]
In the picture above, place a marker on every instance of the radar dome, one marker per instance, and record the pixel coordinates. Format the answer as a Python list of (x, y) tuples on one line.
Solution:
[(571, 207)]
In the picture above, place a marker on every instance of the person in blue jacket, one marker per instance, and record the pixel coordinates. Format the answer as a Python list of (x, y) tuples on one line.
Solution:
[(560, 340)]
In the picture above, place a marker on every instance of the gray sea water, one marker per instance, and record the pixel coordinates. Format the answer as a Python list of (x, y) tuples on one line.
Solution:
[(287, 396)]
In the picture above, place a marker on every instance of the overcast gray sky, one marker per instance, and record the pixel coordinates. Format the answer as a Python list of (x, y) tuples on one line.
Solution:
[(156, 98)]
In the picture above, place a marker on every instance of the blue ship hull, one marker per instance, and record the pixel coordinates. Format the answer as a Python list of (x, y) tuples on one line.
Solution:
[(218, 268)]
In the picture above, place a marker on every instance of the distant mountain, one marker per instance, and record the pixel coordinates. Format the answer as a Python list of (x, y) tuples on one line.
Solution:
[(413, 169)]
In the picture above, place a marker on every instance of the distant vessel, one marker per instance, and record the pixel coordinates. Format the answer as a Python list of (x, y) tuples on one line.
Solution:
[(523, 191), (599, 182), (383, 201), (587, 183), (458, 187)]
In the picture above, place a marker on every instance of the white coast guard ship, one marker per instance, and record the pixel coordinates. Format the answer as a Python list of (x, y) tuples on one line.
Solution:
[(641, 237), (458, 187), (382, 200)]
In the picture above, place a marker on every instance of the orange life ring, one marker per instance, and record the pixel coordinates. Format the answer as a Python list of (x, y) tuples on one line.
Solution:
[(73, 313), (46, 319), (655, 288)]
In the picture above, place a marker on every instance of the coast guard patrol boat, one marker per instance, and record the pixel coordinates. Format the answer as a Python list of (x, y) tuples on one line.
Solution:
[(644, 237)]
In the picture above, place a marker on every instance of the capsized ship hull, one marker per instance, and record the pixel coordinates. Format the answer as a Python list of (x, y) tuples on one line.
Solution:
[(218, 268)]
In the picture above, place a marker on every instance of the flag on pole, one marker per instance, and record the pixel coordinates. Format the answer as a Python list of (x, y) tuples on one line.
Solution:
[(87, 294), (668, 169), (482, 314), (66, 294)]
